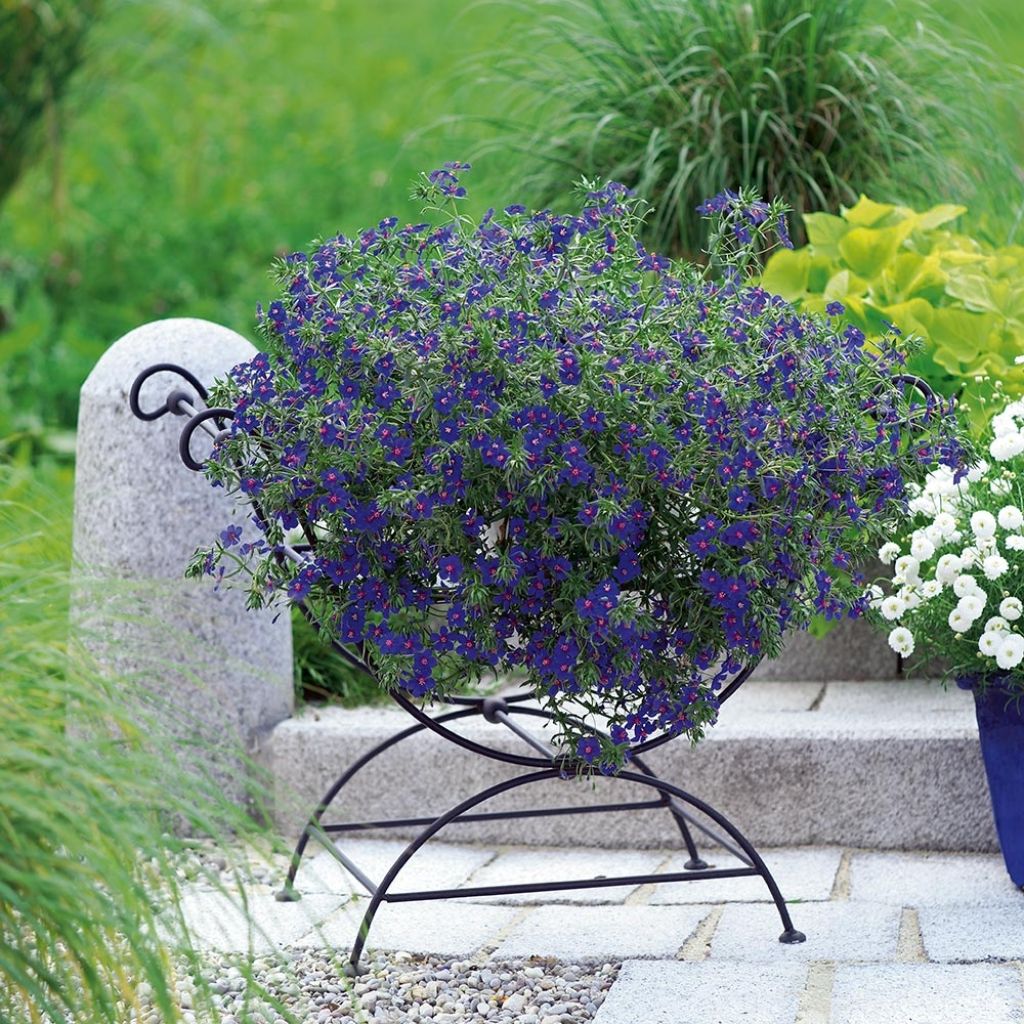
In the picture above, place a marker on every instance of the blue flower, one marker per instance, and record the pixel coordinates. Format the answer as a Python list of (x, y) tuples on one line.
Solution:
[(450, 568)]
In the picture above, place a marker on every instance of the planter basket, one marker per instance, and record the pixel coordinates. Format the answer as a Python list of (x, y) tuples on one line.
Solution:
[(540, 763)]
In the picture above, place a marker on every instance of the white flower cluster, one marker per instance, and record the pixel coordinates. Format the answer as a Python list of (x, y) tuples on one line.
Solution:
[(963, 555)]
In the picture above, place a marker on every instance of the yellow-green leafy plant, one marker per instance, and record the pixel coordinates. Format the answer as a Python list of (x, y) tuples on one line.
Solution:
[(890, 264)]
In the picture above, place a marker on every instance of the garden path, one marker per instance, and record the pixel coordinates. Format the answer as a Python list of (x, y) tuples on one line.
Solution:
[(933, 938)]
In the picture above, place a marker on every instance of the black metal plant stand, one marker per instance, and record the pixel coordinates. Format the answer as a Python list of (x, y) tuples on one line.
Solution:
[(543, 765)]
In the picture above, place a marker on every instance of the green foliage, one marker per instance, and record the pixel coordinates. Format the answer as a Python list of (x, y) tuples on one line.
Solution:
[(811, 101), (88, 862), (321, 674), (890, 264), (42, 44), (202, 139)]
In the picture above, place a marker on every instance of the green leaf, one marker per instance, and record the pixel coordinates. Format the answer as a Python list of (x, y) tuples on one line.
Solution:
[(938, 215), (824, 232), (868, 250), (960, 338), (866, 213), (912, 317), (844, 285), (787, 273)]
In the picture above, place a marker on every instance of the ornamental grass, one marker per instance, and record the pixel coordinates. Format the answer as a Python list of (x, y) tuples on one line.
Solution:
[(815, 101)]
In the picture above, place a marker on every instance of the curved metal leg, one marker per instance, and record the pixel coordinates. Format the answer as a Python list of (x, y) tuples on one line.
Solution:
[(431, 830), (695, 863), (789, 935), (288, 892)]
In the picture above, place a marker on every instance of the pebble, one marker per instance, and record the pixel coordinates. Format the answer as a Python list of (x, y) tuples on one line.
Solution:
[(299, 986)]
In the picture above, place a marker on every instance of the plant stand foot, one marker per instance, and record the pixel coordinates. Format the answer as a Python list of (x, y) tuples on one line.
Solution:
[(696, 864), (288, 894), (791, 936), (354, 970)]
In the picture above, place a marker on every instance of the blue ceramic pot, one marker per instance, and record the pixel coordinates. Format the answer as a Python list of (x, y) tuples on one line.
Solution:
[(1001, 729)]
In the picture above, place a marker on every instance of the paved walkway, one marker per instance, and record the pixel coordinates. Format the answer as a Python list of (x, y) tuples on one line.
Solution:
[(891, 937)]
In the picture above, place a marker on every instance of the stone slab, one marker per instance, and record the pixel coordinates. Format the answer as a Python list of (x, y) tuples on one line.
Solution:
[(786, 778), (851, 650), (968, 933), (801, 874), (579, 934), (932, 880), (436, 927), (835, 931), (221, 921), (890, 700), (703, 993), (434, 866), (529, 866), (927, 994)]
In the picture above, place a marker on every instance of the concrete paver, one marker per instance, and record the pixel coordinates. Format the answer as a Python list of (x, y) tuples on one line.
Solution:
[(835, 931), (802, 874), (702, 993), (602, 933), (927, 994), (973, 933)]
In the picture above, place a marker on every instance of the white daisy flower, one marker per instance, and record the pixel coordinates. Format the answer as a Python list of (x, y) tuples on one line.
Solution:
[(1011, 608), (901, 640), (964, 585), (892, 608), (1007, 447), (972, 605), (930, 589), (945, 522), (994, 566), (959, 622), (1015, 542), (1011, 651), (1010, 517), (983, 523), (921, 547), (948, 568), (907, 569), (990, 643), (888, 553), (969, 557), (975, 473), (997, 624), (1001, 487), (910, 597)]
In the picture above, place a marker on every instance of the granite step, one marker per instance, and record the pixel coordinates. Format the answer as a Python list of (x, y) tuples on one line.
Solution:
[(876, 765)]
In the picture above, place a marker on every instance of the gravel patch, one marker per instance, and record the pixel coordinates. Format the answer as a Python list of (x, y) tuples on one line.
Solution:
[(309, 986)]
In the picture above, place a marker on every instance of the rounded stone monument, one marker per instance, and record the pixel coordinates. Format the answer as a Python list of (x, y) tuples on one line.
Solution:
[(213, 676)]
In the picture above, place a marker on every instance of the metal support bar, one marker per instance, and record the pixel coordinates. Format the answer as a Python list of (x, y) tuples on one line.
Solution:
[(572, 884)]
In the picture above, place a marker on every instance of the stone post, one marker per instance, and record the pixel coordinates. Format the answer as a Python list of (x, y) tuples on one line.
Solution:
[(214, 676)]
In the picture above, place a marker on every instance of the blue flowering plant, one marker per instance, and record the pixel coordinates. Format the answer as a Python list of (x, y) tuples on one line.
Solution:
[(525, 446)]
